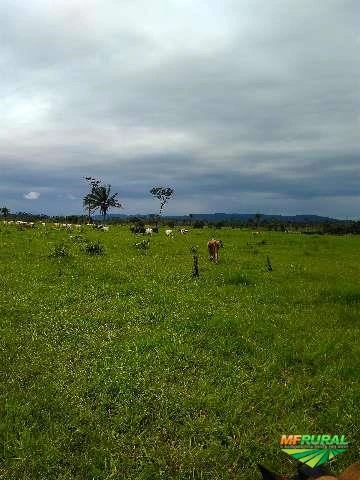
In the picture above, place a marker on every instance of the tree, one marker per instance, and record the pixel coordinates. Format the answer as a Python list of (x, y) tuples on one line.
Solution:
[(5, 212), (87, 204), (163, 194), (100, 198), (93, 184)]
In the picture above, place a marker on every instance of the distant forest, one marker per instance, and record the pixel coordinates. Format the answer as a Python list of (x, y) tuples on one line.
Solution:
[(308, 224)]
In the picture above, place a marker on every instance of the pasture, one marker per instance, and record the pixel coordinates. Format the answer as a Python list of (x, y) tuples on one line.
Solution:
[(123, 366)]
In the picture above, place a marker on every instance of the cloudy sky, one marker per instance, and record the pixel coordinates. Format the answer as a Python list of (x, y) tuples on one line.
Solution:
[(240, 105)]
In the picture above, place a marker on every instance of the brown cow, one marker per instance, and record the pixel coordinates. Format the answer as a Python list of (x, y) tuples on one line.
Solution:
[(213, 249)]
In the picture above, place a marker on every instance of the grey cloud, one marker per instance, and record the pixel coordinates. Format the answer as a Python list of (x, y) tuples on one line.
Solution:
[(248, 97)]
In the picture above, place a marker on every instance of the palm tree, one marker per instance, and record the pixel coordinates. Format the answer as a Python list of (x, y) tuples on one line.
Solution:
[(87, 204), (93, 183), (5, 212), (101, 199)]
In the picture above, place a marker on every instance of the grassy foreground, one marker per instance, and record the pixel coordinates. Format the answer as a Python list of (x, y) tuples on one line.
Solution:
[(123, 366)]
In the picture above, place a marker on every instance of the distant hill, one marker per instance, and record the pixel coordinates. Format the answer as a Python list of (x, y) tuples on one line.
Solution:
[(247, 216), (230, 217)]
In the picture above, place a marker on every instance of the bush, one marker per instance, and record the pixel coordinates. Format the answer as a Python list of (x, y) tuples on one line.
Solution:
[(144, 245), (60, 251), (94, 248), (138, 227)]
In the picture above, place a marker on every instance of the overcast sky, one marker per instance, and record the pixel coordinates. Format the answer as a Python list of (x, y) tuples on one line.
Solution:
[(240, 105)]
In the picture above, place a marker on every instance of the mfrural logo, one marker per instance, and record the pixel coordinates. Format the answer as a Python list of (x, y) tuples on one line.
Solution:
[(313, 450)]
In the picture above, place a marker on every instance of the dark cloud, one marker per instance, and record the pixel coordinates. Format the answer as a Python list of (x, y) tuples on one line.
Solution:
[(244, 105)]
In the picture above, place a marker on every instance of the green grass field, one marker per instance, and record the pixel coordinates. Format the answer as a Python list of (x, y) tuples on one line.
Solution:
[(123, 366)]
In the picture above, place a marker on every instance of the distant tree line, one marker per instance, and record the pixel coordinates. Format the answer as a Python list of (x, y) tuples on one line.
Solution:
[(337, 227)]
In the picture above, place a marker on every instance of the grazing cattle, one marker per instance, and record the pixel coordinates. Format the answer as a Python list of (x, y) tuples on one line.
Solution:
[(148, 231), (104, 228), (23, 224), (169, 233), (213, 249), (184, 231)]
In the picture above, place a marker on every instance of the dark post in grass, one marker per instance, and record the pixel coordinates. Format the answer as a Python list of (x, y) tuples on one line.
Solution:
[(268, 266), (194, 251)]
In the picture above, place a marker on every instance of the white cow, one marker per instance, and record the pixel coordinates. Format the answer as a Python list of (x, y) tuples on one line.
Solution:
[(21, 223), (149, 231), (103, 228), (184, 231), (169, 233)]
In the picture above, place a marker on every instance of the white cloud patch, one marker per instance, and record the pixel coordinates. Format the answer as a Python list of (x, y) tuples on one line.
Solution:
[(32, 195)]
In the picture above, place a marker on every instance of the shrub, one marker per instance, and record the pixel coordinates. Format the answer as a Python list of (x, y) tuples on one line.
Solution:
[(94, 248), (60, 251), (138, 227), (144, 245)]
